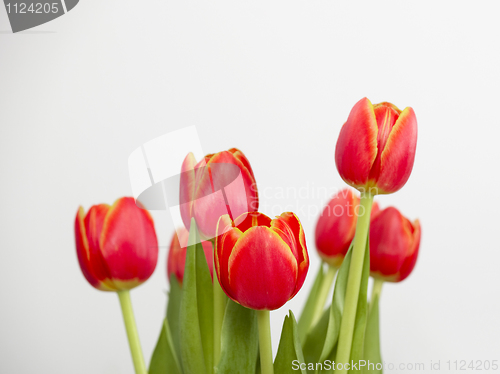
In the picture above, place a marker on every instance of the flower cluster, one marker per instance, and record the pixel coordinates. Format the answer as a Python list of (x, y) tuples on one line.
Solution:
[(230, 265)]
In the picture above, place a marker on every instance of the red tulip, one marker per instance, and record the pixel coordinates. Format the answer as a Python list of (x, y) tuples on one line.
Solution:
[(376, 147), (221, 183), (261, 263), (336, 226), (394, 243), (116, 245), (177, 254)]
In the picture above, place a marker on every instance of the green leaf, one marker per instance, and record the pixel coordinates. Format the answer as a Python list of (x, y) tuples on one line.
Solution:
[(315, 339), (328, 367), (372, 339), (361, 311), (205, 297), (239, 341), (289, 350), (173, 314), (257, 368), (164, 359), (337, 307), (307, 314), (193, 361)]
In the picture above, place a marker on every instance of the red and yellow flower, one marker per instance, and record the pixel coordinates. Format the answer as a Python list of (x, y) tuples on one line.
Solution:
[(394, 244), (261, 263), (219, 184), (336, 226), (116, 245), (376, 147)]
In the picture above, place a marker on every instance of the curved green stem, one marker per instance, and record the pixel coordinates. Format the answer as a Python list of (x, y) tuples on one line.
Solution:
[(220, 300), (132, 334), (376, 290), (266, 349), (323, 294), (354, 281)]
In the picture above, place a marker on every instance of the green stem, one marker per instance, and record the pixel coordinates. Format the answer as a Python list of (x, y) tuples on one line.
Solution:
[(266, 349), (354, 282), (133, 336), (323, 294), (220, 300), (376, 290)]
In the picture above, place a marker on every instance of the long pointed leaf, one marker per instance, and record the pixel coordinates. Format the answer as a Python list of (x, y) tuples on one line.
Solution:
[(205, 298), (239, 341), (173, 314), (164, 359), (307, 314), (315, 339), (337, 307), (372, 339), (321, 340), (289, 356), (193, 361)]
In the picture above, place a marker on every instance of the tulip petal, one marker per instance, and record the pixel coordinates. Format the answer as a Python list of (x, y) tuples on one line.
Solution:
[(94, 221), (224, 225), (386, 115), (289, 228), (238, 155), (251, 219), (172, 256), (396, 162), (177, 254), (392, 242), (411, 260), (91, 262), (387, 241), (224, 245), (207, 210), (336, 226), (187, 188), (209, 202), (239, 188), (128, 243), (262, 270), (356, 147)]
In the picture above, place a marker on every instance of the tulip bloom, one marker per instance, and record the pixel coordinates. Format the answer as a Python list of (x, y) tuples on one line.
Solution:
[(176, 259), (376, 147), (116, 245), (394, 244), (336, 226), (261, 263), (221, 183)]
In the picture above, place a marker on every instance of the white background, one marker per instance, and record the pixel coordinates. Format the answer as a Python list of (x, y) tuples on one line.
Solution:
[(276, 79)]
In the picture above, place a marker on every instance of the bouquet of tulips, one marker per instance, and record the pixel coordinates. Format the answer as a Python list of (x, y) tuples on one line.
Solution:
[(231, 265)]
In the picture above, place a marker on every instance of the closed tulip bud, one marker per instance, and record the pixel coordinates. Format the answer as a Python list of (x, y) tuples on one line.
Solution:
[(376, 147), (219, 184), (261, 263), (394, 244), (116, 245), (336, 226), (176, 259)]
